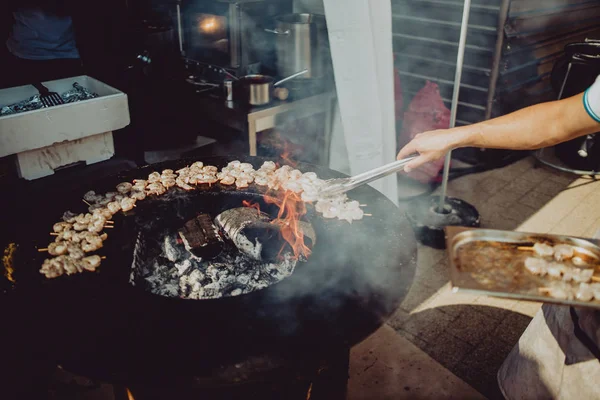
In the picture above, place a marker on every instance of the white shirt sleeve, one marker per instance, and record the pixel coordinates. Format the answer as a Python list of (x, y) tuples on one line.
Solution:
[(591, 100)]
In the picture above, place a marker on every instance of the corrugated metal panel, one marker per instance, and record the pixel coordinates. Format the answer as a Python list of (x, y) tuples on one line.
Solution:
[(426, 36), (426, 42), (536, 33)]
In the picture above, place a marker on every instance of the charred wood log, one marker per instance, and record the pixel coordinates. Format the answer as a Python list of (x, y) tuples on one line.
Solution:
[(201, 237), (253, 233)]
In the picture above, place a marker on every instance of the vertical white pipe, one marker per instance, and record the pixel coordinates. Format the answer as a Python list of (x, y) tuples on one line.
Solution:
[(360, 37), (457, 77), (179, 29)]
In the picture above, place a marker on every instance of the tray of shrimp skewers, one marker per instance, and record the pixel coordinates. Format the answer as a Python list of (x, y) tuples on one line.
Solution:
[(525, 266)]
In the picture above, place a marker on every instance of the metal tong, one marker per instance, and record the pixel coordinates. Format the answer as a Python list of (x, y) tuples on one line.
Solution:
[(335, 187)]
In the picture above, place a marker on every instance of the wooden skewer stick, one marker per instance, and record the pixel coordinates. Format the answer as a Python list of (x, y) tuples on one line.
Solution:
[(54, 233), (103, 258), (525, 248), (110, 221), (596, 278), (368, 215), (108, 226), (41, 250), (309, 393), (86, 202)]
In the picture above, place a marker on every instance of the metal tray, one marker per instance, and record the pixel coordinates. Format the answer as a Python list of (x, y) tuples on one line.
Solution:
[(495, 266)]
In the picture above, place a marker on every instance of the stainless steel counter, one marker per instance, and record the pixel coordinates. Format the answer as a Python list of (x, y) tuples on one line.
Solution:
[(253, 120)]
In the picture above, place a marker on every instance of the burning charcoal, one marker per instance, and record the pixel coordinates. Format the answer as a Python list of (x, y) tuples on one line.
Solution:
[(227, 281), (169, 290), (183, 286), (261, 284), (243, 279), (196, 276), (197, 292), (160, 276), (176, 272), (282, 269), (191, 286), (172, 250), (201, 237), (212, 290), (183, 267), (212, 273)]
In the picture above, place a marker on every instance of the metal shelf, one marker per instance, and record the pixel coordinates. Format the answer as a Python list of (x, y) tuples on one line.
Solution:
[(425, 39)]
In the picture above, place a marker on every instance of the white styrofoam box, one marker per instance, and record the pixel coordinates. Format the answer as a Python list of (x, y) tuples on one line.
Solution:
[(42, 128), (34, 164)]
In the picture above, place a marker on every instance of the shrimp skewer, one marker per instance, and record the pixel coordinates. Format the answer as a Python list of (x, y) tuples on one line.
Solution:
[(78, 234)]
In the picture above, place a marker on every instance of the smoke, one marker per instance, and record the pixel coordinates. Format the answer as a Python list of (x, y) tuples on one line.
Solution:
[(354, 261), (357, 275)]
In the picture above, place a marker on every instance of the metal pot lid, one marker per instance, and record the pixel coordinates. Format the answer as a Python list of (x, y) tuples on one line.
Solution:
[(256, 79)]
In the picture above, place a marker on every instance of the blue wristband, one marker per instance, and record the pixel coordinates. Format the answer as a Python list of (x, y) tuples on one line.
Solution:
[(588, 109)]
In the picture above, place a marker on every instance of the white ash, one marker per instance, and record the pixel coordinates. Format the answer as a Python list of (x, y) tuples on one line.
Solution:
[(172, 251), (178, 273), (254, 250)]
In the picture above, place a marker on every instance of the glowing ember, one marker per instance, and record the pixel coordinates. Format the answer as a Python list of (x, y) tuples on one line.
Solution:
[(249, 204), (129, 395)]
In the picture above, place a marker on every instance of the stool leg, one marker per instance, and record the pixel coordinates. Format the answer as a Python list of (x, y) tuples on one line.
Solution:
[(562, 87), (328, 132), (252, 137)]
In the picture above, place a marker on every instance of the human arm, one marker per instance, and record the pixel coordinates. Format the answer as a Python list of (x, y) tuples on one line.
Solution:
[(534, 127)]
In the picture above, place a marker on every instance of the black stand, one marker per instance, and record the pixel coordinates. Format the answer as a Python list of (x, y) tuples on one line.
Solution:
[(428, 221)]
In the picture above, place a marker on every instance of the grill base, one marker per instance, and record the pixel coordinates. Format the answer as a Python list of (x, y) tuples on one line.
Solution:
[(260, 378), (326, 380)]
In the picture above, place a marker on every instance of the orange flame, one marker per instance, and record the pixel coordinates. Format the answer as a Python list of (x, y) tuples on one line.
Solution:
[(129, 394), (249, 204), (291, 209), (286, 149), (286, 155)]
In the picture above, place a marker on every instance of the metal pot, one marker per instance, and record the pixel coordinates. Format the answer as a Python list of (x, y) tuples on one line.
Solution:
[(257, 90), (302, 43)]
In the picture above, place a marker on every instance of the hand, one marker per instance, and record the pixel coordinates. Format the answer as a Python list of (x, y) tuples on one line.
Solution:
[(431, 146)]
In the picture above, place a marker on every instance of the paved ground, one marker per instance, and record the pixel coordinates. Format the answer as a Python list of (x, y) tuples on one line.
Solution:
[(471, 335)]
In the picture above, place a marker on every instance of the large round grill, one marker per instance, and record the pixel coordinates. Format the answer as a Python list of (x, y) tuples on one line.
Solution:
[(354, 279)]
